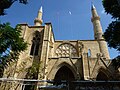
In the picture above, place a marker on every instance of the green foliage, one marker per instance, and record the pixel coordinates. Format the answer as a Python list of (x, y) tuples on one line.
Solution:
[(112, 7), (112, 33), (5, 4), (11, 44), (116, 62), (33, 71)]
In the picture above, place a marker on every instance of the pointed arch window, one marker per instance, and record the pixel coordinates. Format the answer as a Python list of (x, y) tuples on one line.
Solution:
[(35, 44), (89, 53)]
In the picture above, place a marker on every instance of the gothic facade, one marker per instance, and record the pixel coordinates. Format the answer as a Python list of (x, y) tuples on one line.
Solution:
[(57, 60)]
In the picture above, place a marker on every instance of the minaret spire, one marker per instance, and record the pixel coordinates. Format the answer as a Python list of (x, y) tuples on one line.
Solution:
[(92, 6), (96, 23), (41, 10), (98, 32), (38, 21)]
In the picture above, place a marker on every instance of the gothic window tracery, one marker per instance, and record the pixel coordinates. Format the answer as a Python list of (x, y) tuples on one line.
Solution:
[(35, 44), (66, 50)]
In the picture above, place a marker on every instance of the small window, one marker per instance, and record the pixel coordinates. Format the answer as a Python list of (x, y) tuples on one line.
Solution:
[(89, 53)]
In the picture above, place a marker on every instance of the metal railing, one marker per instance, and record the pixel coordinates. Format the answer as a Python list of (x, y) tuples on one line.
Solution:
[(21, 84)]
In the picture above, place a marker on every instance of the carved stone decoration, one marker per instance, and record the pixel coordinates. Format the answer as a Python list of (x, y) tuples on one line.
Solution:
[(51, 40), (81, 47), (66, 50)]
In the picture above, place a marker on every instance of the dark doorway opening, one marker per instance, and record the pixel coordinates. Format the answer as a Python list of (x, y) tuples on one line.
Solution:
[(102, 76), (65, 74)]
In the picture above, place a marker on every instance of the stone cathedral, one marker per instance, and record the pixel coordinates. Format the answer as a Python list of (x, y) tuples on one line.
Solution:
[(56, 60)]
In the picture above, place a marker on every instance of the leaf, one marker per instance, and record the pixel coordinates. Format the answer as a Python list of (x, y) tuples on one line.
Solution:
[(11, 44)]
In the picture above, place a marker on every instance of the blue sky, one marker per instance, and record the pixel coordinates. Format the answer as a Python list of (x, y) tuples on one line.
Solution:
[(66, 26)]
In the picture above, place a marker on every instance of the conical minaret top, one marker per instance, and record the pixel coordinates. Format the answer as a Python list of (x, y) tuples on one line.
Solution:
[(96, 23), (94, 12), (41, 10), (38, 21)]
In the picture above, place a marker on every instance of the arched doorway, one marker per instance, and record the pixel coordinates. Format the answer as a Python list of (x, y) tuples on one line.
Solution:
[(102, 76), (64, 73)]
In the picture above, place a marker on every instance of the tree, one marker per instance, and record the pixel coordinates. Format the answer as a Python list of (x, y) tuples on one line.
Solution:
[(11, 44), (5, 4), (116, 62), (112, 7), (112, 33)]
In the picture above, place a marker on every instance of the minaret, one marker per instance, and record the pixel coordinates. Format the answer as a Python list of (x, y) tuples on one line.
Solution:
[(38, 21), (96, 24), (98, 33)]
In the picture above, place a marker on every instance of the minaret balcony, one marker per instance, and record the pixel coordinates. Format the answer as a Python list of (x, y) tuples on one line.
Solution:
[(95, 18), (37, 20)]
